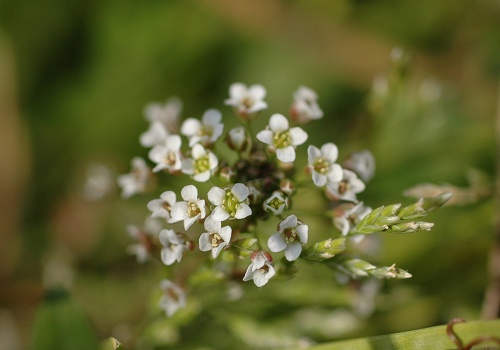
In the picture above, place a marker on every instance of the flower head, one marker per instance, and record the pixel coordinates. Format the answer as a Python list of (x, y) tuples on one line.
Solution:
[(202, 165), (322, 163), (237, 139), (174, 245), (189, 210), (167, 155), (305, 107), (162, 208), (167, 114), (144, 236), (291, 234), (205, 132), (155, 135), (247, 101), (260, 269), (346, 188), (277, 203), (173, 297), (230, 203), (216, 237), (281, 138), (136, 181)]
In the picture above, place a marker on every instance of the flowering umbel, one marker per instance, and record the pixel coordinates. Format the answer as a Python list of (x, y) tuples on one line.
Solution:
[(237, 179)]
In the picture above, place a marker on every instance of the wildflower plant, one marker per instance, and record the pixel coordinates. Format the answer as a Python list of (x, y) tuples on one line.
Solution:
[(229, 199)]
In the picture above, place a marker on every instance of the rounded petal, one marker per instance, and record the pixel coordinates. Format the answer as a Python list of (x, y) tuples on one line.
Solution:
[(292, 251), (167, 256), (260, 279), (169, 197), (313, 153), (189, 193), (265, 136), (164, 237), (198, 151), (225, 233), (187, 166), (190, 127), (319, 179), (243, 211), (240, 191), (179, 211), (237, 91), (202, 177), (188, 222), (290, 221), (212, 117), (216, 195), (258, 91), (278, 123), (212, 160), (303, 232), (298, 136), (276, 243), (286, 155), (330, 151), (212, 225), (257, 106), (173, 142), (220, 214), (204, 242), (335, 174), (249, 273)]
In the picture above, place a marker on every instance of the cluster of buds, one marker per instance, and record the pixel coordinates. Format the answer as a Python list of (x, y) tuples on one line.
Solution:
[(258, 184)]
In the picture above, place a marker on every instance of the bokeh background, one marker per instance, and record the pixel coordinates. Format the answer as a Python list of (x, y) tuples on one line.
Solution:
[(76, 75)]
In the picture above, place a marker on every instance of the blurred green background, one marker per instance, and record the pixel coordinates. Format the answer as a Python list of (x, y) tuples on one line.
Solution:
[(74, 79)]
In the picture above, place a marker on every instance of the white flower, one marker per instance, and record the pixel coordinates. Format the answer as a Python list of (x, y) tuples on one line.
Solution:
[(174, 245), (277, 203), (144, 236), (173, 297), (362, 163), (191, 209), (261, 269), (161, 208), (216, 238), (247, 101), (346, 188), (205, 132), (202, 165), (282, 138), (230, 203), (167, 114), (348, 215), (305, 107), (322, 163), (291, 234), (167, 155), (155, 135), (136, 180)]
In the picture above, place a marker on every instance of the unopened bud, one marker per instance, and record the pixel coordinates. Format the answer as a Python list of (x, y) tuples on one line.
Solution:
[(237, 139), (288, 187), (277, 203), (227, 174), (325, 249)]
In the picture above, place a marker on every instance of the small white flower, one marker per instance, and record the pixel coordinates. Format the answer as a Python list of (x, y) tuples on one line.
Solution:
[(155, 135), (322, 163), (346, 188), (144, 236), (362, 163), (260, 269), (167, 114), (205, 132), (277, 203), (189, 210), (291, 234), (281, 138), (230, 203), (173, 297), (305, 107), (167, 155), (216, 237), (174, 246), (161, 208), (247, 101), (136, 180), (202, 165), (348, 215), (237, 139)]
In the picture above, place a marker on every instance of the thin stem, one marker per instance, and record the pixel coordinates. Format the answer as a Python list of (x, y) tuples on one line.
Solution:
[(491, 303)]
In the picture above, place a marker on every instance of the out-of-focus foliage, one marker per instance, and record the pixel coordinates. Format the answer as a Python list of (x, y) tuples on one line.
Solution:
[(79, 73)]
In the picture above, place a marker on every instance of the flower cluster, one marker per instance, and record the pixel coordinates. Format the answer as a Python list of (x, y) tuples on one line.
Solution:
[(222, 209)]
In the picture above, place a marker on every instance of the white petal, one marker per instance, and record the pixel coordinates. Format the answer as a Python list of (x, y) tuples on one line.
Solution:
[(187, 166), (167, 256), (198, 151), (212, 161), (216, 250), (225, 233), (212, 225), (276, 243), (169, 197), (220, 214), (335, 174), (290, 221), (249, 273), (202, 177), (312, 154), (240, 191), (163, 236), (330, 151), (257, 106), (303, 232), (190, 127), (188, 222), (189, 193), (216, 195), (292, 251), (237, 91), (298, 136), (258, 91), (157, 153), (204, 243), (174, 142), (243, 211), (318, 179), (179, 211), (265, 136), (212, 117), (278, 123), (286, 155)]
